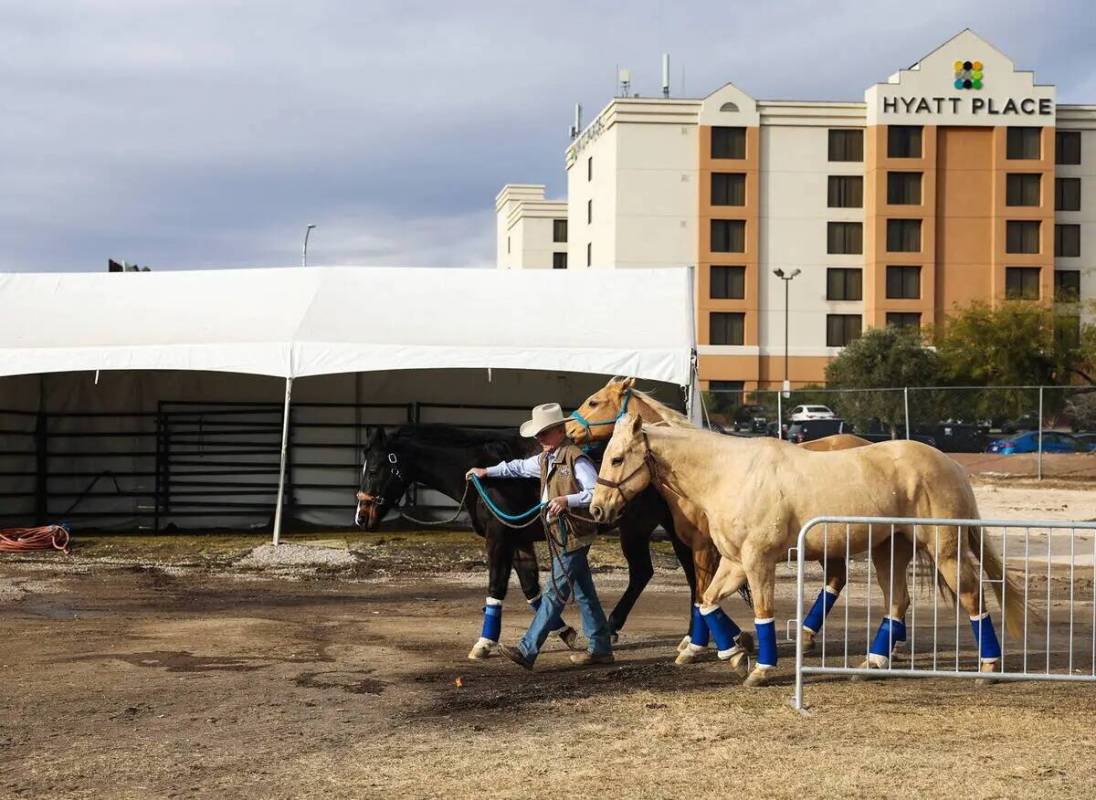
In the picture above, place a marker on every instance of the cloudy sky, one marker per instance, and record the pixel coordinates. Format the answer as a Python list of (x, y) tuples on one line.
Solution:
[(203, 133)]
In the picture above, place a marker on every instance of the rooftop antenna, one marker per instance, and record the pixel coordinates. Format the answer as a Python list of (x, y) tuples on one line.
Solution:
[(665, 74), (576, 128), (624, 78)]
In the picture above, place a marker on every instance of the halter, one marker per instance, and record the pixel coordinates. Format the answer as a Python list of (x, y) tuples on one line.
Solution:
[(587, 424), (648, 463), (394, 473)]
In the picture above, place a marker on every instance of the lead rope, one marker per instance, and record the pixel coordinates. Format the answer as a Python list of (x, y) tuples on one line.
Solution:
[(449, 521)]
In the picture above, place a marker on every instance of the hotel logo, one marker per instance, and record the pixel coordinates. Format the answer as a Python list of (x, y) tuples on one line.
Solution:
[(968, 74)]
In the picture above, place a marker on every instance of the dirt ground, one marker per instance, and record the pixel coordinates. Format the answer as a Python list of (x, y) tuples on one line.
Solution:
[(155, 668)]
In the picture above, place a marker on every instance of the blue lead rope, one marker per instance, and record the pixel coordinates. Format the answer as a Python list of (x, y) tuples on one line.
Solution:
[(498, 512)]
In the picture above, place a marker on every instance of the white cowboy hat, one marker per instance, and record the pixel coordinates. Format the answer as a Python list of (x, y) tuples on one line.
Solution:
[(544, 416)]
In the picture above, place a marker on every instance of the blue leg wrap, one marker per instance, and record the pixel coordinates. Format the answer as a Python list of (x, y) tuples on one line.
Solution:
[(766, 642), (722, 627), (556, 622), (492, 623), (699, 633), (989, 649), (823, 604), (891, 631)]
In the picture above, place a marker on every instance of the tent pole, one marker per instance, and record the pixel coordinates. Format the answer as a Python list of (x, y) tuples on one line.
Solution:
[(281, 467)]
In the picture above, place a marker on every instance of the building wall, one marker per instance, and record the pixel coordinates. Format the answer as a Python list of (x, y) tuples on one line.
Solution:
[(524, 227)]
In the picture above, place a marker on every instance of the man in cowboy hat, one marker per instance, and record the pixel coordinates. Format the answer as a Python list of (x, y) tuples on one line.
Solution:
[(567, 479)]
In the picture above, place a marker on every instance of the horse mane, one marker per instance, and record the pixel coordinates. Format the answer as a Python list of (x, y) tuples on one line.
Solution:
[(502, 444), (673, 418)]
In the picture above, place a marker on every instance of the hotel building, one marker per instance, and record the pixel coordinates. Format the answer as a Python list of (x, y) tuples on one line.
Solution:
[(957, 179)]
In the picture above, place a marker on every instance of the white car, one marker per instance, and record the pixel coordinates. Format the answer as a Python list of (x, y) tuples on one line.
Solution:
[(803, 413)]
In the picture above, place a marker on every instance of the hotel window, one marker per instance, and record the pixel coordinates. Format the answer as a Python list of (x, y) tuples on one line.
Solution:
[(559, 261), (844, 284), (904, 141), (1022, 283), (903, 319), (845, 191), (1067, 241), (1024, 143), (507, 244), (728, 142), (590, 168), (728, 189), (728, 283), (1067, 330), (903, 283), (1067, 147), (1067, 194), (1022, 189), (589, 254), (842, 329), (903, 235), (728, 236), (846, 145), (727, 328), (559, 230), (730, 390), (1067, 285), (589, 211), (1022, 236), (844, 238), (904, 188)]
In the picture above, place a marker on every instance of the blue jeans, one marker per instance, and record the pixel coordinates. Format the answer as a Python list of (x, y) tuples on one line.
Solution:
[(567, 569)]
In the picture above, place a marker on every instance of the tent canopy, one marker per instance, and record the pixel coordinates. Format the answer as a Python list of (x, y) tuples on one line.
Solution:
[(328, 320)]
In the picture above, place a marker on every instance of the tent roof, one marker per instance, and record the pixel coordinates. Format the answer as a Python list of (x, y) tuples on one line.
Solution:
[(326, 320)]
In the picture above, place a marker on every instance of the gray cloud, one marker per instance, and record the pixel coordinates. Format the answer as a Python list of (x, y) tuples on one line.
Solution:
[(204, 134)]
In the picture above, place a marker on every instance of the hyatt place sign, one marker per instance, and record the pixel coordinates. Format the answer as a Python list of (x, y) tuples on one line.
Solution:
[(989, 106)]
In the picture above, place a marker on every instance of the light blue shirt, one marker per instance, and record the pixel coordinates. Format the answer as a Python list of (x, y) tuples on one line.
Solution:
[(585, 475)]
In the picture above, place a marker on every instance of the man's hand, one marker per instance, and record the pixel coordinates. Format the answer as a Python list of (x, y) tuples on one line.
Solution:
[(556, 506), (479, 472)]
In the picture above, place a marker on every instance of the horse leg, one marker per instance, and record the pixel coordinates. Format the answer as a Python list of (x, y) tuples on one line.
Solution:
[(892, 628), (500, 559), (960, 569), (635, 544), (525, 564), (837, 576), (761, 573), (717, 578)]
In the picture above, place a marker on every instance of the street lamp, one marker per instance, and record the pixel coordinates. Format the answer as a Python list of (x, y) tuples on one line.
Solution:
[(787, 278), (304, 252)]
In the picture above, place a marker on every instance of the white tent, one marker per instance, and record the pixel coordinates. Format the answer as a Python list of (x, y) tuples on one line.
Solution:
[(294, 323)]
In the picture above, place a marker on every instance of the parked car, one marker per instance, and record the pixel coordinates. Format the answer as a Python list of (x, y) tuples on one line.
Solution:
[(810, 429), (875, 438), (959, 437), (751, 418), (1053, 442), (1087, 439), (804, 413)]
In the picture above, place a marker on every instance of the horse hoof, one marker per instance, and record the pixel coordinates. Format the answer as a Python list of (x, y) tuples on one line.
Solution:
[(568, 636), (482, 650), (614, 637), (684, 644), (808, 642), (988, 669), (867, 663), (759, 677), (740, 665), (746, 642), (690, 654)]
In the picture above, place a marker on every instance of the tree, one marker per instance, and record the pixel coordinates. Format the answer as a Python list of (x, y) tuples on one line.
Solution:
[(1015, 344), (883, 358)]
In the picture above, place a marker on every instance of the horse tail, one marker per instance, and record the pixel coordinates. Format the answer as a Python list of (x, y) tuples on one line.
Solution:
[(1009, 596), (746, 594)]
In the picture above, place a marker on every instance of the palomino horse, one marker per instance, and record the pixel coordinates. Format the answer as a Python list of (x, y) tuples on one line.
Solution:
[(438, 456), (757, 493), (593, 422)]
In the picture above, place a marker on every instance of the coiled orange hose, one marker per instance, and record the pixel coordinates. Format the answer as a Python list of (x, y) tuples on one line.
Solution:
[(45, 537)]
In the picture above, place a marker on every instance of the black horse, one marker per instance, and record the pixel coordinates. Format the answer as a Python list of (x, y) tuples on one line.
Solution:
[(438, 456)]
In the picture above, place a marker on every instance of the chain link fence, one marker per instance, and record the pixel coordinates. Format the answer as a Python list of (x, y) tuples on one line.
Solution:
[(1015, 431)]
